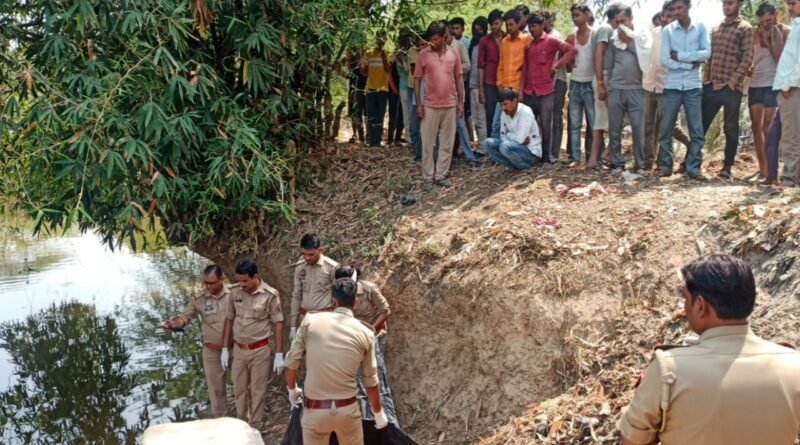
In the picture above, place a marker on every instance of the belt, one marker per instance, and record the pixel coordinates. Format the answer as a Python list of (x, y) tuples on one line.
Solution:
[(254, 345), (325, 309), (326, 404), (213, 347)]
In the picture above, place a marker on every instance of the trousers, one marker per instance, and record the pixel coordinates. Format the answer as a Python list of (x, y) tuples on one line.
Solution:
[(250, 372)]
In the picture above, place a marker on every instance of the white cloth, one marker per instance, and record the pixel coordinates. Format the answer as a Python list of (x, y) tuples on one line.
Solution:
[(277, 366), (653, 80), (788, 75), (224, 358), (520, 127), (642, 40)]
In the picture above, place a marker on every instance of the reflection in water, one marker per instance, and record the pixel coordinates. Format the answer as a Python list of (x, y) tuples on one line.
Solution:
[(83, 358), (72, 381)]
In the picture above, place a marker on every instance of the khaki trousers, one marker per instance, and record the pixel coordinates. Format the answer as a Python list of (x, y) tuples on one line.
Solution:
[(215, 379), (250, 372), (439, 122), (790, 139), (318, 424)]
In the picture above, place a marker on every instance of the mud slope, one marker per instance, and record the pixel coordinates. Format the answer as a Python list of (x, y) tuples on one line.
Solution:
[(520, 296)]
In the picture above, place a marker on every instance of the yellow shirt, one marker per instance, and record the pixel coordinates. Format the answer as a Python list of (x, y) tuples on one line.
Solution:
[(377, 76), (512, 57)]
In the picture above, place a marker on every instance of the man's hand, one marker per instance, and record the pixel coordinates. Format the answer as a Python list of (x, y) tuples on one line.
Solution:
[(674, 56), (459, 110), (526, 141), (785, 94), (697, 65), (295, 396), (277, 366), (225, 358), (292, 334), (420, 112), (602, 93), (481, 97), (381, 421)]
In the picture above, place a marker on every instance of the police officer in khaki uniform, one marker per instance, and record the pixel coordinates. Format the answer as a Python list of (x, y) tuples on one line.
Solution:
[(371, 306), (335, 345), (210, 307), (254, 311), (313, 276), (729, 388)]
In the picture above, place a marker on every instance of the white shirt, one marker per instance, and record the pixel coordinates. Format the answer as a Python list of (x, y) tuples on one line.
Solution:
[(520, 127), (655, 76), (788, 75)]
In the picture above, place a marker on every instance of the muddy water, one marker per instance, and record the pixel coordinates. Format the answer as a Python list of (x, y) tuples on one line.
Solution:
[(82, 355)]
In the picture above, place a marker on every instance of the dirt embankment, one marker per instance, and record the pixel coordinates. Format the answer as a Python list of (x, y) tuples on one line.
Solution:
[(534, 297)]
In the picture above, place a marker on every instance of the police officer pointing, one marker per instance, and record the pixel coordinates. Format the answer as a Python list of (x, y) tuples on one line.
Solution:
[(210, 307), (730, 388), (335, 346)]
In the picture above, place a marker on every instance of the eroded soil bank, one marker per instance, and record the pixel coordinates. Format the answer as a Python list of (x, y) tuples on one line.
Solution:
[(525, 304)]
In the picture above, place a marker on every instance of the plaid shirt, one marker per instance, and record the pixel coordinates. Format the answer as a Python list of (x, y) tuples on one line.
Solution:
[(731, 54)]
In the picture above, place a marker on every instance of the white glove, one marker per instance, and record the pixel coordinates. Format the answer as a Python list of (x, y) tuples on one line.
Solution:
[(292, 334), (381, 421), (277, 366), (295, 396), (225, 358)]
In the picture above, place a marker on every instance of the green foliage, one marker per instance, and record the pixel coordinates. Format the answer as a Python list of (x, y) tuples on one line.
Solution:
[(71, 383), (117, 114)]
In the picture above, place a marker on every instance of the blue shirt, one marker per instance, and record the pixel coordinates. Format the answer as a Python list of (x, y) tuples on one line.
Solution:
[(692, 45), (788, 74)]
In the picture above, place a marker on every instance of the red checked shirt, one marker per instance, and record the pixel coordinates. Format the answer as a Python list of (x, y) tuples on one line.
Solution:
[(731, 54), (488, 59), (538, 67)]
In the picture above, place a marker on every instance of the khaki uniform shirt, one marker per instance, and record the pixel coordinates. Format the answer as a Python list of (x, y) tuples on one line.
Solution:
[(211, 310), (370, 303), (731, 388), (254, 314), (335, 345), (312, 287)]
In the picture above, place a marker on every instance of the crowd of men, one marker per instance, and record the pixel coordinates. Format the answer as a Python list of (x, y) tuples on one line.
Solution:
[(498, 97), (337, 326)]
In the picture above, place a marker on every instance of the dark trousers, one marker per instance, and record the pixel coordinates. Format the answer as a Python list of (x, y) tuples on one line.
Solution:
[(730, 100), (356, 102), (558, 116), (396, 124), (376, 111), (542, 107), (492, 96)]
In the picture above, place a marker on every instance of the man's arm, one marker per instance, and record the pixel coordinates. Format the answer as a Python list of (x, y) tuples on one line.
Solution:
[(703, 52), (568, 56), (524, 76), (788, 74), (599, 62), (459, 89), (747, 45), (189, 313), (279, 336), (666, 53), (641, 419), (297, 297), (227, 334), (500, 70)]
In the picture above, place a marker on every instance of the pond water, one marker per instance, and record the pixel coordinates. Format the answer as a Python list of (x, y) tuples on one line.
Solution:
[(83, 358)]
